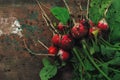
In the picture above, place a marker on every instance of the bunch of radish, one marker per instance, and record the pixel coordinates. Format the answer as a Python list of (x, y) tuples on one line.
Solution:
[(63, 43)]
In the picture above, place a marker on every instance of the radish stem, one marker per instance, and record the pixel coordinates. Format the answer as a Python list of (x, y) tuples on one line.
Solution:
[(92, 61), (69, 10), (88, 3), (43, 44), (37, 54), (77, 56), (46, 16)]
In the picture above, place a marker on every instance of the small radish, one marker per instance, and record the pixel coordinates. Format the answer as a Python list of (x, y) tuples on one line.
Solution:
[(66, 42), (52, 50), (61, 27), (56, 39), (82, 21), (94, 31), (78, 31), (64, 55), (102, 24), (91, 23)]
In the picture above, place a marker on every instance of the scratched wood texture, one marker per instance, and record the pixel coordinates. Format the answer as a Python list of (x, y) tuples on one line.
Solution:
[(15, 61)]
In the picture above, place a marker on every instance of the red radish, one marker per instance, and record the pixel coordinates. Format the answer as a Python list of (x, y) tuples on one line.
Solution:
[(61, 27), (66, 42), (94, 31), (52, 50), (82, 21), (56, 39), (102, 24), (78, 31), (64, 55), (91, 23)]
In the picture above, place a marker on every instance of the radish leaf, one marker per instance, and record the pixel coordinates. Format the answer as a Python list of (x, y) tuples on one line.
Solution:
[(61, 14)]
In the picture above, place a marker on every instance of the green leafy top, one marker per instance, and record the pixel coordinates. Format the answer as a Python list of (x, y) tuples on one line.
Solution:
[(113, 19), (48, 71), (96, 12), (61, 14), (97, 9)]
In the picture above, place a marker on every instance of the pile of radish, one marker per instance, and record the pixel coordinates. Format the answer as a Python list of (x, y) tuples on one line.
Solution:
[(63, 42)]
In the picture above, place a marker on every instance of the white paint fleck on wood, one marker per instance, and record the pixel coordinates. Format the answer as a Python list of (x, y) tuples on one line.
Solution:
[(9, 26)]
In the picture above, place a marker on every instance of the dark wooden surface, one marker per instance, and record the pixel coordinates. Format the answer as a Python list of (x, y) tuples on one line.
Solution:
[(15, 61)]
